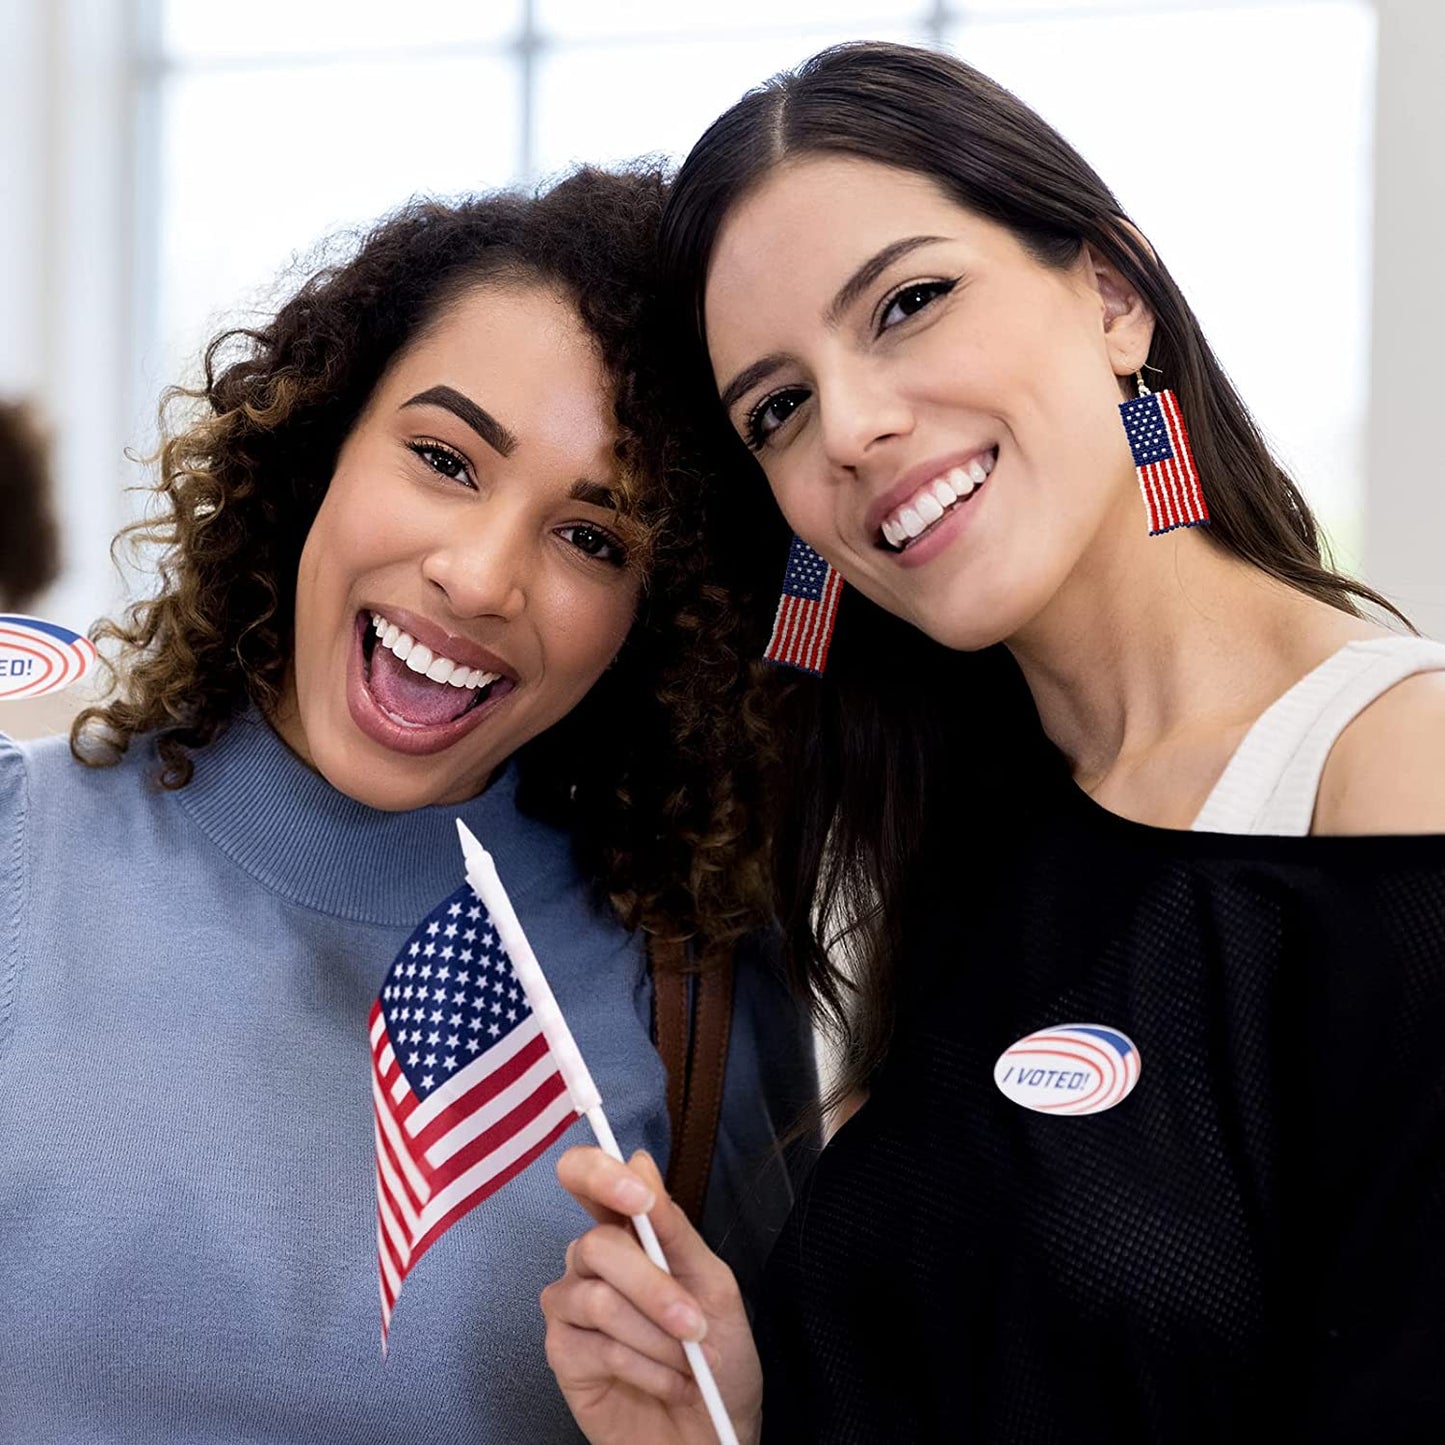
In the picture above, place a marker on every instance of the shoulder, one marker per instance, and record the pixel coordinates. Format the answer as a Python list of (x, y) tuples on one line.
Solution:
[(14, 786), (1386, 774), (27, 768), (49, 768), (15, 794)]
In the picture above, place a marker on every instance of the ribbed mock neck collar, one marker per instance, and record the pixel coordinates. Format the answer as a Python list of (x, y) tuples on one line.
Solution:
[(303, 839)]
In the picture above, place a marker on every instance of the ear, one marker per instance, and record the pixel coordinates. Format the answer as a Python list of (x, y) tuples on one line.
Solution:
[(1128, 323)]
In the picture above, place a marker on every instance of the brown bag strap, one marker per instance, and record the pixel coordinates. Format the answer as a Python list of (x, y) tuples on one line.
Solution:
[(692, 1020)]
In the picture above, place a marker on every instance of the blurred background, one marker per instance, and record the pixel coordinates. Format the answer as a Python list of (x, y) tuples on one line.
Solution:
[(172, 165)]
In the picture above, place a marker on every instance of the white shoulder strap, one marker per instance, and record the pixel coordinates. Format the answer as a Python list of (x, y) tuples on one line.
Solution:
[(1270, 783)]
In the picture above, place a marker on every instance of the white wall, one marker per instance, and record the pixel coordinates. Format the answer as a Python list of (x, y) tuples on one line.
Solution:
[(72, 187), (22, 193), (66, 157), (1405, 505)]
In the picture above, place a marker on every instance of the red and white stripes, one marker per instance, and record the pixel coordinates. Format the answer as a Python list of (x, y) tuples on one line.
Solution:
[(1171, 488), (803, 627), (438, 1157)]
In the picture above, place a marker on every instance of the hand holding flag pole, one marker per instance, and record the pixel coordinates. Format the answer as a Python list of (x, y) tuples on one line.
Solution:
[(485, 883)]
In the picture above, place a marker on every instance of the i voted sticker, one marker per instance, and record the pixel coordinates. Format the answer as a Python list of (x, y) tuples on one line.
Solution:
[(37, 657), (1071, 1069)]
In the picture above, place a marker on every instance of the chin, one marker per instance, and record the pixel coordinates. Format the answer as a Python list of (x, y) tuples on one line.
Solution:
[(386, 795), (390, 783), (973, 617), (971, 627)]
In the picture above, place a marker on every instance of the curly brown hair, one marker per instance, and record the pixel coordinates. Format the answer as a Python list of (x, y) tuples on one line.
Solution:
[(657, 772)]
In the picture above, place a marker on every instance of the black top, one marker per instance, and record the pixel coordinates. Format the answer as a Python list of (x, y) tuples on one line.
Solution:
[(1251, 1245)]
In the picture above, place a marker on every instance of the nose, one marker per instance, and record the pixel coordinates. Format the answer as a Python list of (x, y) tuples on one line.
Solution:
[(482, 565), (859, 410)]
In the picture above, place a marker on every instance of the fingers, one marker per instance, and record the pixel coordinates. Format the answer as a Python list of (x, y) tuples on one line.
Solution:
[(587, 1301), (605, 1188), (611, 1257), (700, 1284), (581, 1358), (615, 1320), (711, 1282)]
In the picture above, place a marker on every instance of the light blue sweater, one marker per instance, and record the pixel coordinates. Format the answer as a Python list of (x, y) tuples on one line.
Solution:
[(187, 1205)]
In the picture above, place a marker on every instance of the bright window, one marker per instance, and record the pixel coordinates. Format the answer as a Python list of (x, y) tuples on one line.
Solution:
[(1237, 134)]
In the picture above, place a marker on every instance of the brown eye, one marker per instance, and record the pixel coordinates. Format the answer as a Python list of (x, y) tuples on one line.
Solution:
[(594, 542), (442, 460), (911, 299), (770, 414)]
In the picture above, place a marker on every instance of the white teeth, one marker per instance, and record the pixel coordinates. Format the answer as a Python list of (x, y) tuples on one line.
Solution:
[(934, 498), (928, 507), (420, 658)]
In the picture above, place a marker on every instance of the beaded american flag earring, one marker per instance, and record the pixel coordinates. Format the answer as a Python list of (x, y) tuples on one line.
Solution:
[(1168, 479), (807, 611)]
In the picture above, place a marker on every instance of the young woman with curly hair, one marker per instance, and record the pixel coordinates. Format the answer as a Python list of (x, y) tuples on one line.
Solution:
[(425, 553), (1146, 1009)]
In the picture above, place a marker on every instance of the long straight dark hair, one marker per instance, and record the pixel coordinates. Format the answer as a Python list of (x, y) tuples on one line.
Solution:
[(865, 745)]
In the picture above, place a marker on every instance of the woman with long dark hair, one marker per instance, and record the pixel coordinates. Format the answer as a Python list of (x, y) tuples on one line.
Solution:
[(425, 552), (1109, 838)]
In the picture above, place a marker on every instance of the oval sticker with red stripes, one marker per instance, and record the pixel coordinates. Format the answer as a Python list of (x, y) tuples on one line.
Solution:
[(37, 657), (1071, 1069)]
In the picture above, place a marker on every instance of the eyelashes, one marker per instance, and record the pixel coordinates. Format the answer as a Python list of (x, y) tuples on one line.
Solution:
[(909, 300), (592, 540), (595, 542), (441, 459), (773, 410), (755, 431)]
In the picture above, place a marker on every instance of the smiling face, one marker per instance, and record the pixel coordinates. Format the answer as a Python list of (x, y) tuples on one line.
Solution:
[(464, 583), (935, 410)]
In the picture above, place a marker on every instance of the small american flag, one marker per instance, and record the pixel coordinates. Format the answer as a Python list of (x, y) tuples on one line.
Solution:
[(807, 611), (1165, 464), (467, 1091)]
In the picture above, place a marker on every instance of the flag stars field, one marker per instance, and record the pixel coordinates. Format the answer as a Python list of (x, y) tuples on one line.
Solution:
[(459, 1115), (485, 989)]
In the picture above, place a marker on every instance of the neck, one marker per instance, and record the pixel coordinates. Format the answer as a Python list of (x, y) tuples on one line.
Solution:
[(1167, 645)]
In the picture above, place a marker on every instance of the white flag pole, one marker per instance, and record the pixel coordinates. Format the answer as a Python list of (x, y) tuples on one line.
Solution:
[(487, 885)]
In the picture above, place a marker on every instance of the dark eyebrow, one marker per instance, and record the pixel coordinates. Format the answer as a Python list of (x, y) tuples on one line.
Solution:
[(594, 494), (465, 409), (750, 376), (848, 293), (870, 271)]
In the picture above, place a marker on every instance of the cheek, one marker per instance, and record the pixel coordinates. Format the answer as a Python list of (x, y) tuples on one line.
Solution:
[(805, 502), (585, 625), (358, 530)]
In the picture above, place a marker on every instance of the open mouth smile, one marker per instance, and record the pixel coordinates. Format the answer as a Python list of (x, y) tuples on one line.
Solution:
[(934, 500), (412, 699)]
